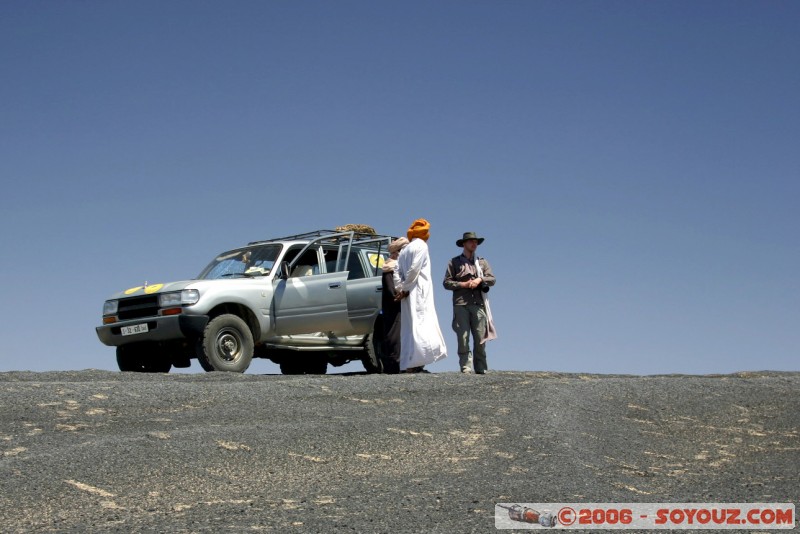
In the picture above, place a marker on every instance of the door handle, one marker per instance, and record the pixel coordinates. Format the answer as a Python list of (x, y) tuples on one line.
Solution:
[(334, 285)]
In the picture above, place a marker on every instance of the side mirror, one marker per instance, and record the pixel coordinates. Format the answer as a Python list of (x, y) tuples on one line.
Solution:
[(283, 270)]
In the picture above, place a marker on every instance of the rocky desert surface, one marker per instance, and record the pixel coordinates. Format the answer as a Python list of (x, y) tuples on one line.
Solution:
[(98, 451)]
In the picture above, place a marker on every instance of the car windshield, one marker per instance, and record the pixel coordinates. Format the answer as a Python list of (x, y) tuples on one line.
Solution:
[(242, 262)]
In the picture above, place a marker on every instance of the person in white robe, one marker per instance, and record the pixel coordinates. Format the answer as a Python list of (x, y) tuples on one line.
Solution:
[(421, 340)]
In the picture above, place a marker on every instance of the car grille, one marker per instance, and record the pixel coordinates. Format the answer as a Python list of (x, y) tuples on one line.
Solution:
[(137, 307)]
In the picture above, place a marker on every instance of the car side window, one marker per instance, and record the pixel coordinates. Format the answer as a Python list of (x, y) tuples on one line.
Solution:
[(331, 258), (355, 266), (306, 265)]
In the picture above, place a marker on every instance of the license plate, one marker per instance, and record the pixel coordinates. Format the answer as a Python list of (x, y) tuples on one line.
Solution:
[(134, 329)]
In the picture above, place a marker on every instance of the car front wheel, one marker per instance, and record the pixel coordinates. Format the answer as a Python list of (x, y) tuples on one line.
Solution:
[(226, 345)]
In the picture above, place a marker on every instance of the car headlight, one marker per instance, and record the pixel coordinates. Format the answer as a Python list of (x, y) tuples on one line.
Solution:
[(187, 297), (110, 307), (190, 296)]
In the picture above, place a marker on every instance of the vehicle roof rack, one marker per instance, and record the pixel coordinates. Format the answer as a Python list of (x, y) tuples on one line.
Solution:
[(354, 236)]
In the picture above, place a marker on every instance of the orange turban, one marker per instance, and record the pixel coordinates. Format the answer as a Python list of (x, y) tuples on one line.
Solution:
[(419, 228)]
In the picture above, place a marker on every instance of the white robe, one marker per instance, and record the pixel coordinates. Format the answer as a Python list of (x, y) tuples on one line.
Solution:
[(421, 340)]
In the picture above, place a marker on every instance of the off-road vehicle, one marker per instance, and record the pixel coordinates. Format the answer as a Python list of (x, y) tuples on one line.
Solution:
[(302, 301)]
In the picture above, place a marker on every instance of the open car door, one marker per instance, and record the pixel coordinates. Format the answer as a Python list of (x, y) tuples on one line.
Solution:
[(306, 299)]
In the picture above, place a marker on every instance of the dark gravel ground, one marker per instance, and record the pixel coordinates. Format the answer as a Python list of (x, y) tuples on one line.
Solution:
[(97, 451)]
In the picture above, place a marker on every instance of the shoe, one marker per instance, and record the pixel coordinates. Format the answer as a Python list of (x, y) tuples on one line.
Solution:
[(481, 372), (466, 370)]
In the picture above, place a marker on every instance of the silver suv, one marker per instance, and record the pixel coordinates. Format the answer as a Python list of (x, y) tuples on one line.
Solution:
[(302, 301)]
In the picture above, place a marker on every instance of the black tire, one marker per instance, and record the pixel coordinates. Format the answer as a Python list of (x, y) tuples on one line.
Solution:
[(127, 360), (142, 358), (292, 367), (226, 345), (198, 350), (372, 358), (316, 363)]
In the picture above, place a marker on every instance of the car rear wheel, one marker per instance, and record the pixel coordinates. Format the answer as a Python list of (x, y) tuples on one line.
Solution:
[(291, 367), (372, 358), (226, 345), (316, 364)]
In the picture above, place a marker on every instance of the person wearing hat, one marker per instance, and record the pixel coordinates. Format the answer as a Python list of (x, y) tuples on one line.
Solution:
[(421, 340), (469, 278)]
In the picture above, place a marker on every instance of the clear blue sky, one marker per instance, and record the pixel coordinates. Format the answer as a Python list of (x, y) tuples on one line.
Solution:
[(633, 166)]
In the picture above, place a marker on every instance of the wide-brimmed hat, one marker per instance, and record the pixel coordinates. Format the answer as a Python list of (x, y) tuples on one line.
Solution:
[(467, 237)]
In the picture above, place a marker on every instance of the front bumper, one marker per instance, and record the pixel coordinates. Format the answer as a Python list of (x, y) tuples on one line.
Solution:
[(169, 328)]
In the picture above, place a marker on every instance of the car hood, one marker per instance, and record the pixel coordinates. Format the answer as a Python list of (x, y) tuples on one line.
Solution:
[(151, 289)]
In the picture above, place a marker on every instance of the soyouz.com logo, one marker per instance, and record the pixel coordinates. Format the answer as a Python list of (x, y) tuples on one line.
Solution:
[(666, 516)]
